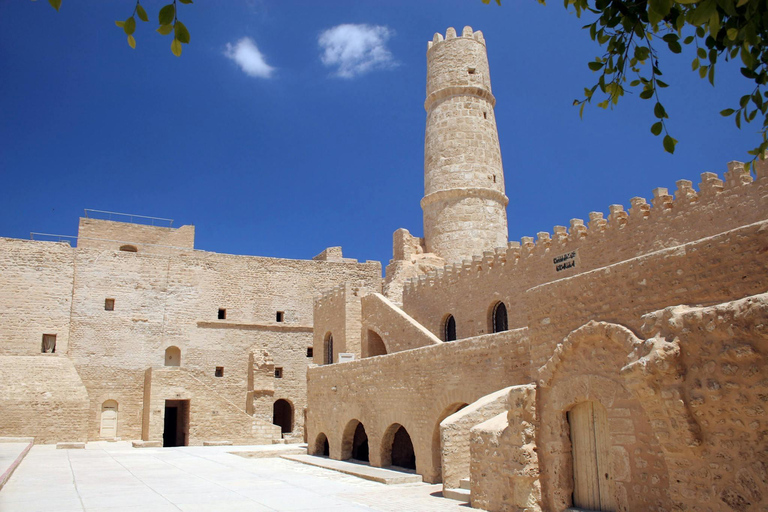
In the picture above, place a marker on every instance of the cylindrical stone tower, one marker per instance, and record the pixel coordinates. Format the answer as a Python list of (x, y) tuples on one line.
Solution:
[(464, 202)]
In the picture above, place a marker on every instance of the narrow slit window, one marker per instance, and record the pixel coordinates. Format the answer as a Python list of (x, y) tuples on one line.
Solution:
[(485, 115), (49, 344), (109, 304), (310, 352), (280, 316), (278, 373), (219, 371), (222, 314)]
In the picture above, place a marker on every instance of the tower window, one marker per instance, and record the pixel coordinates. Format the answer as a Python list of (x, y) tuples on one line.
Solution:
[(278, 373), (49, 344), (310, 352), (485, 115), (471, 71), (219, 371), (449, 329), (222, 314), (280, 316), (109, 304)]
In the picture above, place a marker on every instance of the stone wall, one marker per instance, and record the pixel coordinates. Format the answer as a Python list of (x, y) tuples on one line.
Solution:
[(111, 235)]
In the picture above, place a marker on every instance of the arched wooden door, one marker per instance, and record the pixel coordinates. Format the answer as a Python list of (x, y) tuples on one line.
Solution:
[(592, 475), (108, 420)]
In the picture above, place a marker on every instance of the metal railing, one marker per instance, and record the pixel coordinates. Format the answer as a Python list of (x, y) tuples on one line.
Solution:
[(143, 219)]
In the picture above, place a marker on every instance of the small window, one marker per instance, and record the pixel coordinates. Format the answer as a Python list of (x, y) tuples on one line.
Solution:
[(471, 71), (310, 352), (128, 248), (222, 314), (49, 344), (278, 373), (499, 318), (280, 316), (449, 329), (109, 304), (219, 371), (485, 115)]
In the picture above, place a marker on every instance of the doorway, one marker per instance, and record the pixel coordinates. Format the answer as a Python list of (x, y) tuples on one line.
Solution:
[(108, 428), (592, 476), (176, 423)]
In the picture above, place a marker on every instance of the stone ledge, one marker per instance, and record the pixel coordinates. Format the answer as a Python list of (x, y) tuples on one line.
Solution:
[(217, 443), (147, 444), (457, 494), (360, 470)]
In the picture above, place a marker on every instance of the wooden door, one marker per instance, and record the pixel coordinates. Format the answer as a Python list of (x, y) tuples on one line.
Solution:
[(109, 419), (592, 478)]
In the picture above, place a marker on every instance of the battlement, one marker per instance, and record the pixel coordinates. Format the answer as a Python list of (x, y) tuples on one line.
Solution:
[(668, 220), (332, 297), (467, 33)]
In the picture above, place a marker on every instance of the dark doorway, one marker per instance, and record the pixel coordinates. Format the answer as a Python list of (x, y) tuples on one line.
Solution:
[(176, 423), (282, 414), (402, 450), (360, 444), (499, 318), (450, 329), (321, 445)]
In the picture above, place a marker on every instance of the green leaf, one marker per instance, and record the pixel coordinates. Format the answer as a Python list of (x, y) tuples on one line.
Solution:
[(732, 34), (180, 32), (687, 2), (675, 47), (176, 47), (647, 94), (165, 29), (603, 104), (702, 12), (131, 42), (701, 53), (739, 4), (142, 13), (703, 71), (744, 100), (130, 25), (688, 40), (166, 15), (656, 128), (190, 1), (661, 84), (56, 4), (595, 66), (658, 111), (695, 65), (727, 112), (712, 75), (120, 24), (669, 144)]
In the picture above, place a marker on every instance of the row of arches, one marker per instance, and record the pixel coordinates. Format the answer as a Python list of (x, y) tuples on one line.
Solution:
[(497, 321)]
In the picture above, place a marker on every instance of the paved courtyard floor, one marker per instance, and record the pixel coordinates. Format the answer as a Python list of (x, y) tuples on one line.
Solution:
[(115, 477)]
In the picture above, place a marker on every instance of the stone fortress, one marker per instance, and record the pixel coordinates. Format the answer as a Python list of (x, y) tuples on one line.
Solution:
[(617, 365)]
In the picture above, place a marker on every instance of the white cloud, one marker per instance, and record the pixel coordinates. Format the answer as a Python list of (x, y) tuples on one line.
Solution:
[(249, 58), (356, 49)]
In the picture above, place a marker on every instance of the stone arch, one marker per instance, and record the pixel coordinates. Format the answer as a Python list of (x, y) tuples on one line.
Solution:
[(498, 319), (449, 328), (588, 366), (375, 345), (397, 448), (108, 419), (354, 442), (437, 450), (173, 356), (282, 415), (322, 447), (328, 353)]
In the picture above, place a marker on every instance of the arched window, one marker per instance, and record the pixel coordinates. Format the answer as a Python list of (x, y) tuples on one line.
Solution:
[(282, 414), (173, 356), (449, 329), (499, 318), (128, 248), (328, 345)]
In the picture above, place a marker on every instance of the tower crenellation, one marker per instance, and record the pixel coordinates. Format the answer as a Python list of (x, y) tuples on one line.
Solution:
[(464, 197)]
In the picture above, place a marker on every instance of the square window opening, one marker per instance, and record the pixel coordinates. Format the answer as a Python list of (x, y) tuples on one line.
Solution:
[(278, 373), (49, 344), (219, 371), (310, 352), (109, 304), (280, 316), (471, 71), (222, 314)]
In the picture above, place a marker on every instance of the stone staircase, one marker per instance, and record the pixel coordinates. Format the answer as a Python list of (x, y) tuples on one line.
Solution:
[(462, 493)]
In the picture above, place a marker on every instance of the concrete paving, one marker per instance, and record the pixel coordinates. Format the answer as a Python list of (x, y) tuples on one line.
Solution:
[(11, 455), (115, 477), (358, 469)]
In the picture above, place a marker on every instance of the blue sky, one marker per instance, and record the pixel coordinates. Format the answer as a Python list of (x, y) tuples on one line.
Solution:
[(276, 145)]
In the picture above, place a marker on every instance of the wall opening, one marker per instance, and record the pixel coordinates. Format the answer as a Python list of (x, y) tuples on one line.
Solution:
[(173, 356), (328, 346), (109, 304), (280, 316), (49, 344), (485, 116), (222, 314), (449, 329), (321, 445), (499, 318), (108, 429), (176, 423), (471, 71), (310, 352), (282, 415), (219, 372), (375, 344), (278, 373), (397, 448), (592, 475), (128, 248), (360, 444)]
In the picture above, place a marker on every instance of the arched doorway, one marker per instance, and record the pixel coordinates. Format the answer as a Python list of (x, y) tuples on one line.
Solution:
[(499, 317), (173, 356), (328, 349), (321, 445), (397, 448), (108, 428), (360, 444), (376, 345), (449, 328), (282, 414), (592, 474)]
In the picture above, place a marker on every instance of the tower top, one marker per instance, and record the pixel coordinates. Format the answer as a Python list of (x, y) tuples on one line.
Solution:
[(467, 33)]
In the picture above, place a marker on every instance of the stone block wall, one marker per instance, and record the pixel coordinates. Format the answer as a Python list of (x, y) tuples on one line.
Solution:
[(112, 235)]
